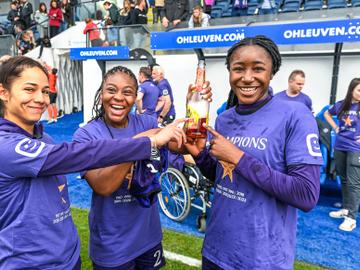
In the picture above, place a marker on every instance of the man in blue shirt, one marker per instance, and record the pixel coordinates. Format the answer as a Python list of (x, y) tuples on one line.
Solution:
[(167, 113), (148, 93)]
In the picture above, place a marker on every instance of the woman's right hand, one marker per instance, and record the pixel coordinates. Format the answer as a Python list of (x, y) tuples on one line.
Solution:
[(172, 132), (195, 146)]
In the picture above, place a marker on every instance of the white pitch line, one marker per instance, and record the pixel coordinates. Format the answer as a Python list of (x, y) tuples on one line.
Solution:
[(181, 258)]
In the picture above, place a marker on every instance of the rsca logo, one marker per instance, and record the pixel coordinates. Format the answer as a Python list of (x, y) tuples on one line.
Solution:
[(312, 143), (29, 148)]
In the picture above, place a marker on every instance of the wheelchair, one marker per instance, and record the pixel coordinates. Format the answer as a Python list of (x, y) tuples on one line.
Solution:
[(182, 189)]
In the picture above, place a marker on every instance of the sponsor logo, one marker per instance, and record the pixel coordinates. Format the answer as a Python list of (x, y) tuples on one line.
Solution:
[(29, 148), (312, 143), (250, 142)]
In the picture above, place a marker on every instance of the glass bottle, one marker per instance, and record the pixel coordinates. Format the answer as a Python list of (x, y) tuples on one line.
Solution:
[(197, 108)]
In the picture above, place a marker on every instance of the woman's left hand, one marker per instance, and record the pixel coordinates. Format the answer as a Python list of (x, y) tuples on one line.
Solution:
[(223, 149), (206, 91)]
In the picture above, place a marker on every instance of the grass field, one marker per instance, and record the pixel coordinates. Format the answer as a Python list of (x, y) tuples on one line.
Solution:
[(173, 241)]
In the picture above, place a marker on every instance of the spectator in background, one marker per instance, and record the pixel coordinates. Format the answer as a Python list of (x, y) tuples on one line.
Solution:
[(52, 109), (267, 7), (26, 42), (176, 11), (94, 33), (73, 4), (148, 93), (239, 8), (111, 32), (207, 6), (13, 14), (112, 12), (158, 11), (55, 18), (67, 15), (125, 34), (296, 83), (26, 10), (138, 16), (347, 153), (198, 18), (42, 19), (165, 108)]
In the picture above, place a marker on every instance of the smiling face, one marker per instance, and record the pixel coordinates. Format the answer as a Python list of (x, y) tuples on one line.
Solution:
[(118, 96), (27, 98), (250, 70)]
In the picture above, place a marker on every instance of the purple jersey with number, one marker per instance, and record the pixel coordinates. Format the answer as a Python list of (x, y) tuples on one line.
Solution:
[(248, 228), (151, 95), (120, 229), (165, 90), (349, 123), (301, 97), (36, 228)]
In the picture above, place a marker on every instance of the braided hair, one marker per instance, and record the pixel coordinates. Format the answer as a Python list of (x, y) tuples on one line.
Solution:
[(98, 110), (262, 41)]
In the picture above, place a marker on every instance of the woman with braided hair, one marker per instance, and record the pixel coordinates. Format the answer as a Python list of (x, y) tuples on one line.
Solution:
[(124, 234), (265, 160)]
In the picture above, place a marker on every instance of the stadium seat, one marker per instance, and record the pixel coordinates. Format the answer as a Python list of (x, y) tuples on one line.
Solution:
[(291, 7), (355, 3), (228, 12), (313, 5), (223, 5), (336, 4), (216, 12)]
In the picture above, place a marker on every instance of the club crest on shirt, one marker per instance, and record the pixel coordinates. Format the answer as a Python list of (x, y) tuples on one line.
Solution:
[(165, 92), (313, 146), (228, 169), (29, 148)]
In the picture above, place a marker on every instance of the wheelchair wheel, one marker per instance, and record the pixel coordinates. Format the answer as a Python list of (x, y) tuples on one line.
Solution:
[(174, 198)]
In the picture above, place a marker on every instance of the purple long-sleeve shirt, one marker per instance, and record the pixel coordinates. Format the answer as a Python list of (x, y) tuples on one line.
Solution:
[(253, 218)]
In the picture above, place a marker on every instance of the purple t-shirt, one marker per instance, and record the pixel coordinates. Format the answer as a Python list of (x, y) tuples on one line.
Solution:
[(36, 228), (301, 97), (348, 128), (248, 228), (165, 90), (151, 95), (120, 229)]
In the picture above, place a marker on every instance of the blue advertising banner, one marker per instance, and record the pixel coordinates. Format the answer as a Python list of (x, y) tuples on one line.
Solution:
[(100, 53), (282, 34)]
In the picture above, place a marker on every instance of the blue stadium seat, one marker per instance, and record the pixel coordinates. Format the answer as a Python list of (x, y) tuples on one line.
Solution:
[(291, 7), (355, 3), (336, 4), (216, 12), (228, 12), (223, 5), (251, 9), (313, 5)]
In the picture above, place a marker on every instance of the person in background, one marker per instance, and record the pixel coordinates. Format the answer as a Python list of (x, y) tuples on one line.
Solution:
[(52, 109), (165, 108), (266, 7), (198, 18), (148, 93), (94, 33), (26, 11), (67, 15), (36, 227), (296, 84), (158, 11), (126, 34), (240, 8), (55, 18), (13, 14), (138, 16), (42, 19), (112, 12), (208, 5), (347, 153), (26, 42), (264, 157), (176, 11)]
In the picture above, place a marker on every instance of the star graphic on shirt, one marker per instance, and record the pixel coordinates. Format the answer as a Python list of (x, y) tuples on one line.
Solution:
[(347, 121), (228, 169)]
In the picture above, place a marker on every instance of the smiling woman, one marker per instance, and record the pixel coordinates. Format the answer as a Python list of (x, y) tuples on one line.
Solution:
[(257, 186), (36, 228)]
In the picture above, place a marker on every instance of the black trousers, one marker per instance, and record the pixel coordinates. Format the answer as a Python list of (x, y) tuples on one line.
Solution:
[(348, 168)]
